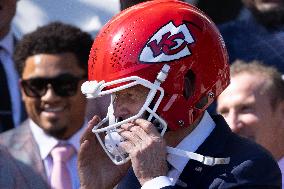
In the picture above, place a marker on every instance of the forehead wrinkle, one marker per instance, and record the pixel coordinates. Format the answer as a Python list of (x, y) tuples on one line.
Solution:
[(135, 90)]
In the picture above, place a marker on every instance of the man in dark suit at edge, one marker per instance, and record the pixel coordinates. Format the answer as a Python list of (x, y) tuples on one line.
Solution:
[(52, 63), (12, 111)]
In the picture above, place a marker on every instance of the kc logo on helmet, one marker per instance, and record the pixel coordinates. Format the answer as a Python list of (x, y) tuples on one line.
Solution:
[(169, 43)]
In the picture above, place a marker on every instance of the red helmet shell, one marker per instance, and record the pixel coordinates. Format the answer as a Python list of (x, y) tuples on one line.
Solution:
[(162, 29)]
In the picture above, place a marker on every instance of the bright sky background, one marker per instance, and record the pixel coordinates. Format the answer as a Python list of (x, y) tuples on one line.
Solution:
[(89, 15)]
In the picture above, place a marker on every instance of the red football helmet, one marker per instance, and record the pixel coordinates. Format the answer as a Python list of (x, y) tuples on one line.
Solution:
[(162, 45)]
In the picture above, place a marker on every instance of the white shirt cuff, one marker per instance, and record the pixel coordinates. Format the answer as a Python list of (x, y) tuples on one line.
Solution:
[(157, 183)]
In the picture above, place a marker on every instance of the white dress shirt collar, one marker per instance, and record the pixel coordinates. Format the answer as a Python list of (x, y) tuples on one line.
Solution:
[(8, 43), (46, 142), (281, 166), (191, 142)]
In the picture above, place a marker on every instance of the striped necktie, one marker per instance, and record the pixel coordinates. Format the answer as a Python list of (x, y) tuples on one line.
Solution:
[(60, 176)]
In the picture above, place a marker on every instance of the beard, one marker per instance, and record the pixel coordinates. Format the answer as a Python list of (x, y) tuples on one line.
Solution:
[(58, 133)]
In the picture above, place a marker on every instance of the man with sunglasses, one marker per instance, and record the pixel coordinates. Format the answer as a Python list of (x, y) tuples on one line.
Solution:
[(52, 63)]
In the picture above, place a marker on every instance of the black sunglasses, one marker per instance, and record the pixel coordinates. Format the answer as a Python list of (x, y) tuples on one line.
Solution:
[(64, 85)]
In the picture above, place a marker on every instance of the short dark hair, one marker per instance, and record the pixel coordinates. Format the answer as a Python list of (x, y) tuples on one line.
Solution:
[(274, 83), (54, 38)]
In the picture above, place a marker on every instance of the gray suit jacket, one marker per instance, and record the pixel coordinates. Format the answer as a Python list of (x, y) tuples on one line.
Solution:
[(16, 175), (22, 146)]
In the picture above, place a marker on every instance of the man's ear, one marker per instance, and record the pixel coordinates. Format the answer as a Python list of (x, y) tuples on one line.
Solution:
[(281, 106), (279, 112)]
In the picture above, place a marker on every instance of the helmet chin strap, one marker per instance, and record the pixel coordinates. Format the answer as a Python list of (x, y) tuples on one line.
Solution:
[(113, 139), (206, 160)]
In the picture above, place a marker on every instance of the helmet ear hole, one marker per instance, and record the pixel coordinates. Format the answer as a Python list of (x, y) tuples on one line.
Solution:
[(189, 84)]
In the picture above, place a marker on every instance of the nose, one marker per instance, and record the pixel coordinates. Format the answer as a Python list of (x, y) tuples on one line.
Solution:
[(120, 108), (50, 95), (234, 121), (117, 107)]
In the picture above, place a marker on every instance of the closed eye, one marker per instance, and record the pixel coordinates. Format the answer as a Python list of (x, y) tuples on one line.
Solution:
[(246, 109), (223, 111)]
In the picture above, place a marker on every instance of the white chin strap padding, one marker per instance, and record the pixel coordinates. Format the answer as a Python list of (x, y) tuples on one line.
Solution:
[(206, 160), (112, 141)]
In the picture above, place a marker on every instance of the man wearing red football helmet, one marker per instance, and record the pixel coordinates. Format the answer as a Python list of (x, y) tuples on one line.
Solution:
[(163, 63)]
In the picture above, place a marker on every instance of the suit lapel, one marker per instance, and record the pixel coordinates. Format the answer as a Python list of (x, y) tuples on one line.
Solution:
[(23, 113), (15, 40), (213, 146), (129, 181), (26, 149)]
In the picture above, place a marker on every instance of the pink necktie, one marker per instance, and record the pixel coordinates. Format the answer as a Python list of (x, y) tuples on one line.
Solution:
[(60, 177)]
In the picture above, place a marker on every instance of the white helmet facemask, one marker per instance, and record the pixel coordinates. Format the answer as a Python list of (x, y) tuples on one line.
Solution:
[(110, 143), (106, 130)]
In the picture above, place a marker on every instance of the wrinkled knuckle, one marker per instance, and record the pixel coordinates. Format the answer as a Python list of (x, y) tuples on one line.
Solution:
[(135, 128), (149, 125), (152, 142), (157, 139)]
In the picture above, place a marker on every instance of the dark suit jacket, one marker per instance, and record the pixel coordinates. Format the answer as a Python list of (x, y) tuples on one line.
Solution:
[(23, 114), (22, 146), (250, 165)]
